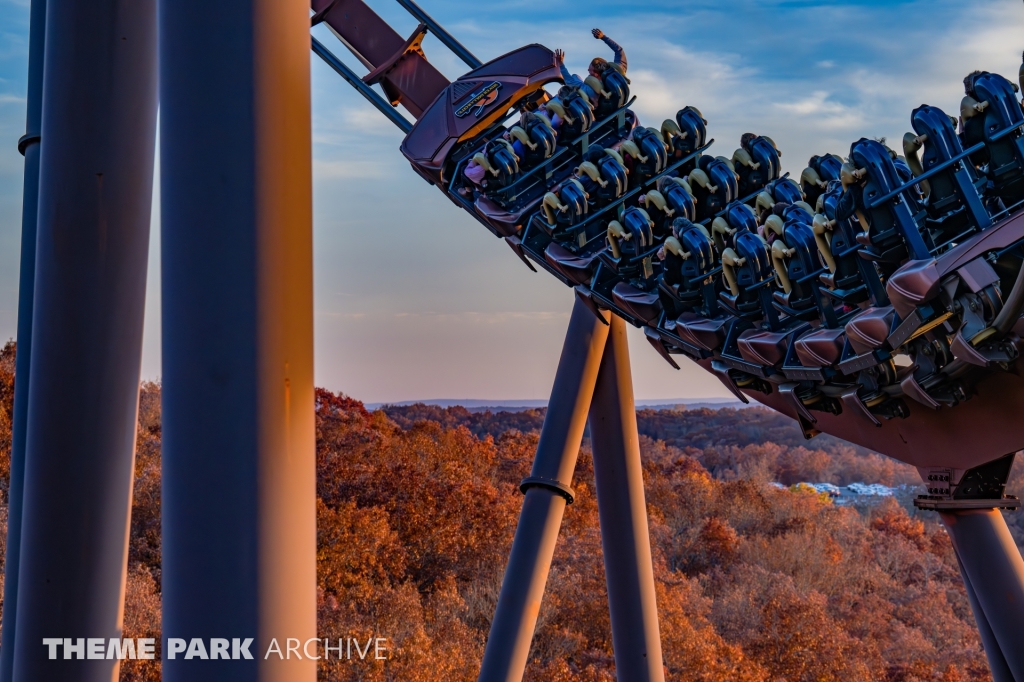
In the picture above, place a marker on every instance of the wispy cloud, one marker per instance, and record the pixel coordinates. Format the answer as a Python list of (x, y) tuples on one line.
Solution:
[(822, 112), (325, 170)]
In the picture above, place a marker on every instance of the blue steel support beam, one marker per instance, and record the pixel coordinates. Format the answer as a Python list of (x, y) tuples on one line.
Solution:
[(29, 146), (95, 191)]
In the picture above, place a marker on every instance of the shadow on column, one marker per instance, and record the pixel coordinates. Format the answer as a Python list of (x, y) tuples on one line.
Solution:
[(625, 538)]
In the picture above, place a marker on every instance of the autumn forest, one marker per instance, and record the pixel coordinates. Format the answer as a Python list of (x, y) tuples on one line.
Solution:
[(417, 506)]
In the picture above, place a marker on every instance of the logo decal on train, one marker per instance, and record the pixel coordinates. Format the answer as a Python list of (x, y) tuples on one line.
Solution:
[(480, 101)]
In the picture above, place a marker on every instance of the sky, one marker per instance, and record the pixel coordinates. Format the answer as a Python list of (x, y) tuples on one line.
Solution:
[(416, 300)]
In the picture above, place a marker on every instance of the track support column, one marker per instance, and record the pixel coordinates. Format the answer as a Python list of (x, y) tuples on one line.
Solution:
[(29, 146), (625, 538), (95, 191), (547, 492), (996, 663), (994, 574), (239, 486)]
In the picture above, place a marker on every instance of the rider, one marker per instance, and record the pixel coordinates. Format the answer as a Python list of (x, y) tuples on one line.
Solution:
[(597, 65)]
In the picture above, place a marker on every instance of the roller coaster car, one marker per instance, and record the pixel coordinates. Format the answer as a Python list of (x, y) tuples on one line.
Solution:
[(714, 185), (919, 260), (757, 163), (538, 139), (954, 206), (649, 154), (612, 90), (468, 107), (820, 171), (573, 107), (997, 113), (889, 233)]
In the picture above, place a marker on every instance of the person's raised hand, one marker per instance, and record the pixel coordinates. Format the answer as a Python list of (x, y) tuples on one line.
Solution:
[(559, 56), (598, 33)]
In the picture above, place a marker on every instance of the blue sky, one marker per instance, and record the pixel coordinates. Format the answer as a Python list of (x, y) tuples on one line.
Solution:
[(416, 300)]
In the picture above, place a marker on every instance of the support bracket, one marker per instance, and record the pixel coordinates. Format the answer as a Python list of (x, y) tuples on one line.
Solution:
[(556, 487)]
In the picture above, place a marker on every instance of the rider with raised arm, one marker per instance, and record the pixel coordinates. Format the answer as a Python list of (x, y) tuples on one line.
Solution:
[(597, 66)]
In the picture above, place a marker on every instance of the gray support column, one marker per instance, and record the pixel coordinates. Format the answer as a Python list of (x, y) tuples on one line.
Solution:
[(996, 662), (993, 566), (239, 496), (95, 190), (547, 490), (622, 508), (29, 146)]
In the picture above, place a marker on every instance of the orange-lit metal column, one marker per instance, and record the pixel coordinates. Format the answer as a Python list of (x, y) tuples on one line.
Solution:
[(239, 518)]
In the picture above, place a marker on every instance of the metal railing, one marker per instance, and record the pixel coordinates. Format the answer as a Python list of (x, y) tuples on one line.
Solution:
[(350, 76), (444, 36)]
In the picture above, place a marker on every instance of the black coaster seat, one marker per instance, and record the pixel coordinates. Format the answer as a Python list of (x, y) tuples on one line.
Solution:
[(538, 139), (954, 206), (1006, 155)]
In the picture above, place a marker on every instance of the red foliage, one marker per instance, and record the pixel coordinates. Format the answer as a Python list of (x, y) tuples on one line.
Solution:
[(754, 583)]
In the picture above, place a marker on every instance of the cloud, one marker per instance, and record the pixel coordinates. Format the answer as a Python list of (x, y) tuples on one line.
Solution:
[(820, 112), (325, 170)]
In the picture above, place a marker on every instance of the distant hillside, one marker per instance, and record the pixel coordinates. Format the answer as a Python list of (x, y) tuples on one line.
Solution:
[(523, 405), (697, 426), (728, 442), (755, 582)]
